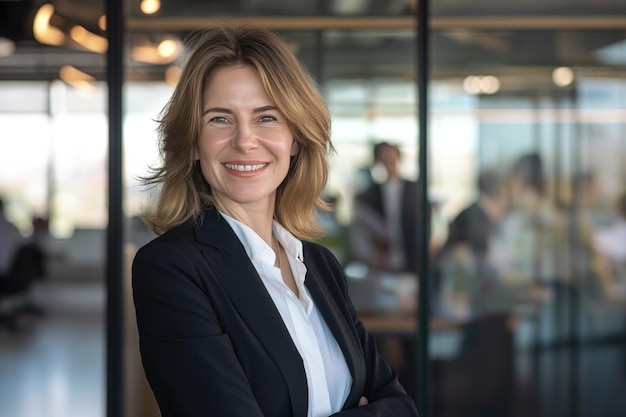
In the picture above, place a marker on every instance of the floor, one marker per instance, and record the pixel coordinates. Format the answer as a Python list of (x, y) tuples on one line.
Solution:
[(54, 365)]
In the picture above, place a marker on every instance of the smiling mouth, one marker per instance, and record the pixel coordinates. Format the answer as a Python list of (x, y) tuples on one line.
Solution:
[(245, 168)]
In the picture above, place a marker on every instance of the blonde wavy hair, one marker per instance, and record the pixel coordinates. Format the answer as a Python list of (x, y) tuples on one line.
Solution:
[(183, 191)]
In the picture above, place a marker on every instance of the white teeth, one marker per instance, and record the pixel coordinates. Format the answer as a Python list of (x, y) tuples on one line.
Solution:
[(244, 167)]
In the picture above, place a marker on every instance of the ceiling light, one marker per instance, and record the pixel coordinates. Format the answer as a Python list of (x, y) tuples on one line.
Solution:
[(76, 77), (563, 76), (168, 48), (162, 53), (42, 31), (471, 84), (102, 22), (490, 84), (150, 6), (172, 74), (91, 41), (481, 84)]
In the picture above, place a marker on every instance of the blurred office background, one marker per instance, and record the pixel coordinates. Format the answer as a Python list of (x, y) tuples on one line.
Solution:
[(526, 121)]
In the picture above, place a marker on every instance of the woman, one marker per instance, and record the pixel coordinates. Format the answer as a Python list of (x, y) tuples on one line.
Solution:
[(238, 314)]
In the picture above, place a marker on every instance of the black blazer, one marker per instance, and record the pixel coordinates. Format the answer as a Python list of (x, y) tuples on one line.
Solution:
[(213, 343), (471, 226)]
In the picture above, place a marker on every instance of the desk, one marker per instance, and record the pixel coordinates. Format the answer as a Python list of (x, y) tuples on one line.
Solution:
[(404, 324), (386, 303), (382, 291)]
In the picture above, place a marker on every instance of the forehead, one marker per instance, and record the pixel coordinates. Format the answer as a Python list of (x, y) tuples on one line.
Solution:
[(234, 79), (239, 86), (228, 70)]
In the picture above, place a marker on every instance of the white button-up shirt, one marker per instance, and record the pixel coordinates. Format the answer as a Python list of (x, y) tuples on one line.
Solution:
[(328, 376)]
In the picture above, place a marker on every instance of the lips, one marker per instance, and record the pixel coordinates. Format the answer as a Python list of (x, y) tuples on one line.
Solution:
[(245, 167)]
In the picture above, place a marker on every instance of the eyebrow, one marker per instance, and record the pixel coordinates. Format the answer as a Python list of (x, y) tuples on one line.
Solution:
[(228, 111)]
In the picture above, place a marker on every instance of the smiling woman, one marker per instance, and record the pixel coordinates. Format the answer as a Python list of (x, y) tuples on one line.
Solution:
[(238, 315)]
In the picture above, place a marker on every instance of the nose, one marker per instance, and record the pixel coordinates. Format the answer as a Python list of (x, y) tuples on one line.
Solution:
[(244, 139)]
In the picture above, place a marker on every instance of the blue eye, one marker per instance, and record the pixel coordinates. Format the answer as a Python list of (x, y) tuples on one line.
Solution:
[(219, 119), (267, 119)]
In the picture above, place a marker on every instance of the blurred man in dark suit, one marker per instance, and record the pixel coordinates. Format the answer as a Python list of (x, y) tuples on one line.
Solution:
[(386, 214)]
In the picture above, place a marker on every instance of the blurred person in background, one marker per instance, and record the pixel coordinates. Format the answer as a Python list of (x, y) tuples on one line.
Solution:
[(385, 226), (592, 242), (530, 245), (13, 283), (11, 240), (610, 243), (461, 265), (474, 225)]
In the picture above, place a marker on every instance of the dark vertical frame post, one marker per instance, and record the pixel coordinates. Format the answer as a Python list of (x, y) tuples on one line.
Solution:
[(114, 255), (423, 360), (568, 105)]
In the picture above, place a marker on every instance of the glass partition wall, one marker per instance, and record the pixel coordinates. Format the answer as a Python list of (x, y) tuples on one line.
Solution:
[(526, 209), (527, 149)]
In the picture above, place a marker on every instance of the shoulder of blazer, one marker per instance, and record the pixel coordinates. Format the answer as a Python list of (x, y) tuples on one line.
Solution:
[(180, 237), (210, 229), (191, 241), (317, 255), (325, 269)]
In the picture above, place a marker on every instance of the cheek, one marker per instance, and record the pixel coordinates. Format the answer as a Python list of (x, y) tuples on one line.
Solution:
[(199, 148), (204, 150), (207, 172), (203, 158)]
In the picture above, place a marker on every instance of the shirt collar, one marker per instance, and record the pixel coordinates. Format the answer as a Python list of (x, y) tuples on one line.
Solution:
[(257, 248), (290, 243)]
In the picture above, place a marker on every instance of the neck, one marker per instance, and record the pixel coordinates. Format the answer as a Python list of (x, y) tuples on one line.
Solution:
[(277, 249), (257, 218)]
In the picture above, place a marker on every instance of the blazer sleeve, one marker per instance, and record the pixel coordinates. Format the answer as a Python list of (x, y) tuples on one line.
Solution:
[(383, 391), (188, 360), (385, 395)]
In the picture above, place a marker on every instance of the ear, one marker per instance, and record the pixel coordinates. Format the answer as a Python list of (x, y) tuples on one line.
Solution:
[(294, 148)]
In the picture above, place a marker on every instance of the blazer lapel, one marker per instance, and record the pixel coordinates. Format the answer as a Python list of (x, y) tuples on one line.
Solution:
[(342, 332), (246, 291)]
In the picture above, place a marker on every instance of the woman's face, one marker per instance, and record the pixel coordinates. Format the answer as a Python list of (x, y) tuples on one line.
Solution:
[(245, 144)]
